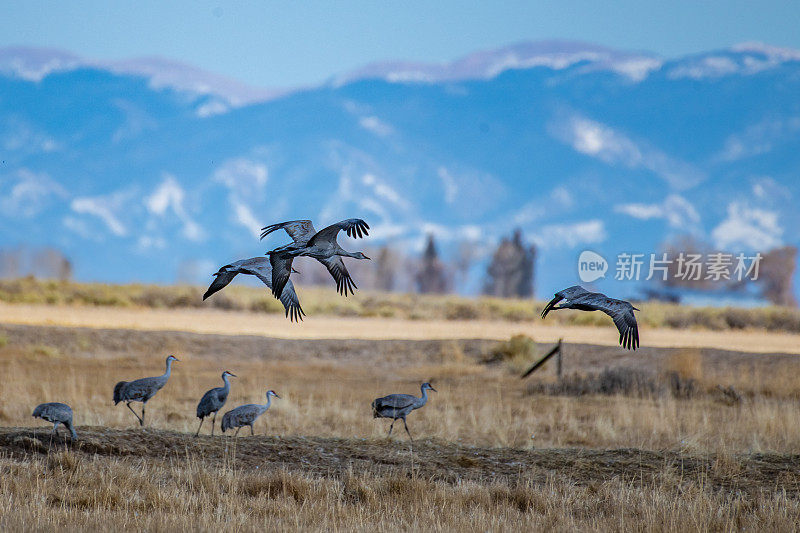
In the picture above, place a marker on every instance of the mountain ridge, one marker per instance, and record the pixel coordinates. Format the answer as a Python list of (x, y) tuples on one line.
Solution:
[(142, 180)]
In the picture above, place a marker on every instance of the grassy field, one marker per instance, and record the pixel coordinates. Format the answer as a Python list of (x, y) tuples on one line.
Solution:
[(325, 302), (649, 441)]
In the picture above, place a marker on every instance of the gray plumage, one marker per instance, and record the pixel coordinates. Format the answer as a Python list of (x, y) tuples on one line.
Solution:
[(577, 297), (213, 400), (259, 267), (399, 406), (321, 245), (245, 415), (57, 413), (141, 390)]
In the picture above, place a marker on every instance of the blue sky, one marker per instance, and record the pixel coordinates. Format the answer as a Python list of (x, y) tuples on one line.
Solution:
[(280, 44)]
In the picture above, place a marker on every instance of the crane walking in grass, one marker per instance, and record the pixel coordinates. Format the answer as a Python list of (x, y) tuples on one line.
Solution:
[(399, 406), (141, 390), (246, 415), (576, 297), (213, 400), (57, 413)]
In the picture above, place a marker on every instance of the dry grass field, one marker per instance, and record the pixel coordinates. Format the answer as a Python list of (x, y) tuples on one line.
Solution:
[(242, 295), (647, 440)]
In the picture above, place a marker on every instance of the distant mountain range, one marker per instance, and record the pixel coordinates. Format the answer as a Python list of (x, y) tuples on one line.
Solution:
[(147, 169)]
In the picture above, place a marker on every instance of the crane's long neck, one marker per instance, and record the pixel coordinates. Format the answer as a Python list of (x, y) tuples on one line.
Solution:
[(227, 387), (424, 399), (349, 254), (169, 369), (266, 405)]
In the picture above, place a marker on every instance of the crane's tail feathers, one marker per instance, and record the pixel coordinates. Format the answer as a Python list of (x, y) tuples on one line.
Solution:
[(118, 391)]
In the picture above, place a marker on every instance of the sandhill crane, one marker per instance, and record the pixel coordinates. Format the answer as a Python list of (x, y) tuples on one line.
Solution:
[(321, 245), (245, 415), (57, 413), (141, 390), (577, 297), (399, 406), (213, 400), (260, 268)]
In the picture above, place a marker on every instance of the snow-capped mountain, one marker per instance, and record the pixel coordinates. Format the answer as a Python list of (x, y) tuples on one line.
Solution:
[(135, 169), (34, 64), (487, 64)]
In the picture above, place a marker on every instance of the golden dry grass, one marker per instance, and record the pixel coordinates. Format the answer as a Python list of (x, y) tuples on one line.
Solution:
[(416, 307), (67, 491), (328, 327), (327, 388)]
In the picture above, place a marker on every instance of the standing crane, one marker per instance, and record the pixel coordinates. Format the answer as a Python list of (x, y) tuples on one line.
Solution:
[(245, 415), (399, 406), (213, 400), (576, 297), (321, 245), (57, 413), (141, 390)]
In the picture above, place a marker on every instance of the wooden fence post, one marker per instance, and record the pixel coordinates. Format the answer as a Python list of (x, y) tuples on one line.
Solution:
[(560, 357)]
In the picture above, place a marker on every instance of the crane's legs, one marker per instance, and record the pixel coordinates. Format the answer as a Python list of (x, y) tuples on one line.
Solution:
[(391, 427), (407, 431), (237, 431), (198, 427), (55, 428), (141, 422), (212, 423), (251, 430)]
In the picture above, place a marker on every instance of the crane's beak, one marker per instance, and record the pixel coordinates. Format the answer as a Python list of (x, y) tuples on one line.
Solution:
[(231, 374), (369, 258), (434, 390), (295, 271), (278, 397)]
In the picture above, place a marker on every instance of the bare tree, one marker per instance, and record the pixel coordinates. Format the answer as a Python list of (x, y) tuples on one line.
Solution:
[(45, 262), (776, 275), (10, 266), (386, 265), (680, 252), (511, 272), (431, 274)]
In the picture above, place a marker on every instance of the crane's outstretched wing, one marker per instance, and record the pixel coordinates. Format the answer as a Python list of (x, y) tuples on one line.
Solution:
[(354, 227), (622, 313), (262, 269), (222, 279), (291, 303), (619, 310), (281, 270), (299, 230), (336, 267)]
